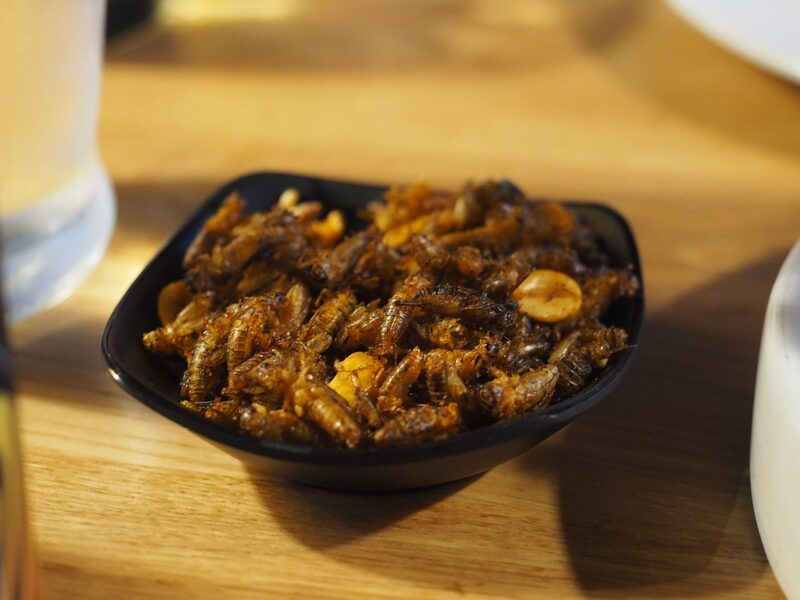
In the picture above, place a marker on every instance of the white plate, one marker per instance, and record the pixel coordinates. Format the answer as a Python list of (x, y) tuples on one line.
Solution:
[(766, 32), (775, 445)]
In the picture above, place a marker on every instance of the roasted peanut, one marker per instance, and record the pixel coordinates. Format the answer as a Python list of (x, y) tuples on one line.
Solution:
[(548, 296)]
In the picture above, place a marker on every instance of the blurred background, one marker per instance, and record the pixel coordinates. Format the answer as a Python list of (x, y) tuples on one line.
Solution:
[(560, 75)]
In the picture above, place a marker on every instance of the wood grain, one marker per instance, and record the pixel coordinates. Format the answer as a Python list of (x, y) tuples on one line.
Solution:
[(619, 101)]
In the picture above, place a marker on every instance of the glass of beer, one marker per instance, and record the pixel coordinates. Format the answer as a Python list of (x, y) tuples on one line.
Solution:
[(57, 206)]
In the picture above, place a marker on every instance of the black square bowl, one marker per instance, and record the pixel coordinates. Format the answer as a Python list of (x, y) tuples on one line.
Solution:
[(150, 379)]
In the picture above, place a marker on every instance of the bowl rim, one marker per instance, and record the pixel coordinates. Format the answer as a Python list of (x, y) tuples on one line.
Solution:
[(466, 442)]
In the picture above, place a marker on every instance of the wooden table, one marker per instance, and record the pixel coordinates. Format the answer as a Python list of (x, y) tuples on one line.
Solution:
[(646, 496)]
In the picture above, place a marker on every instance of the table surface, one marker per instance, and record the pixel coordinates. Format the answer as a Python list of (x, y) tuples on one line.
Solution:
[(619, 101)]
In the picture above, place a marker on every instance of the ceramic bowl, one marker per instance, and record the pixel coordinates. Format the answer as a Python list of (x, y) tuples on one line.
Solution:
[(153, 382)]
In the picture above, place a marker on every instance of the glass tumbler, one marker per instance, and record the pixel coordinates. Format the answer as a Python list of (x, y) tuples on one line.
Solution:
[(57, 206)]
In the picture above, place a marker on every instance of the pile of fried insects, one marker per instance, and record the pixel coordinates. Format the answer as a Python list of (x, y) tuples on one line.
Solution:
[(445, 312)]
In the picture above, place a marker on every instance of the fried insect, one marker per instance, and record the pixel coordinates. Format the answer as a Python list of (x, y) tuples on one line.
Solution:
[(249, 237), (443, 380), (506, 397), (469, 363), (222, 411), (577, 358), (522, 353), (294, 309), (605, 342), (362, 327), (601, 289), (444, 332), (436, 377), (216, 227), (331, 267), (270, 373), (458, 301), (179, 337), (279, 425), (250, 319), (393, 394), (549, 222), (221, 265), (560, 259), (326, 321), (399, 311), (439, 313), (375, 272), (506, 273), (307, 212), (423, 423), (207, 363), (318, 404), (257, 277), (429, 254), (363, 406), (469, 262), (500, 231)]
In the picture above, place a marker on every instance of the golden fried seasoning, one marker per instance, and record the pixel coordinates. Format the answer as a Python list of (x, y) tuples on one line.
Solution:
[(446, 312)]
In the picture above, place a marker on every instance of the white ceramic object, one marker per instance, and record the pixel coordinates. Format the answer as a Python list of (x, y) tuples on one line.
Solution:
[(775, 447), (56, 202), (766, 32)]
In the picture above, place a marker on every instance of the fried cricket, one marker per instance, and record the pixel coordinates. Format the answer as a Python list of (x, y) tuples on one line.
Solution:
[(439, 314)]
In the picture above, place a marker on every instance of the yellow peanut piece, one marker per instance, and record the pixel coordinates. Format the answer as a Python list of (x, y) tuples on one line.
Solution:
[(409, 264), (289, 198), (399, 235), (328, 231), (548, 296), (434, 223), (460, 211), (172, 299), (365, 368)]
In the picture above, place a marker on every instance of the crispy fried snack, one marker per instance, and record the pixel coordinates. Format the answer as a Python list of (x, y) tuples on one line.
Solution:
[(446, 312)]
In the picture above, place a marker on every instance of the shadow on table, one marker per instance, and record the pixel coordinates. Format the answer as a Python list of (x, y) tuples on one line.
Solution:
[(436, 539), (326, 519), (664, 59), (42, 339), (650, 479)]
